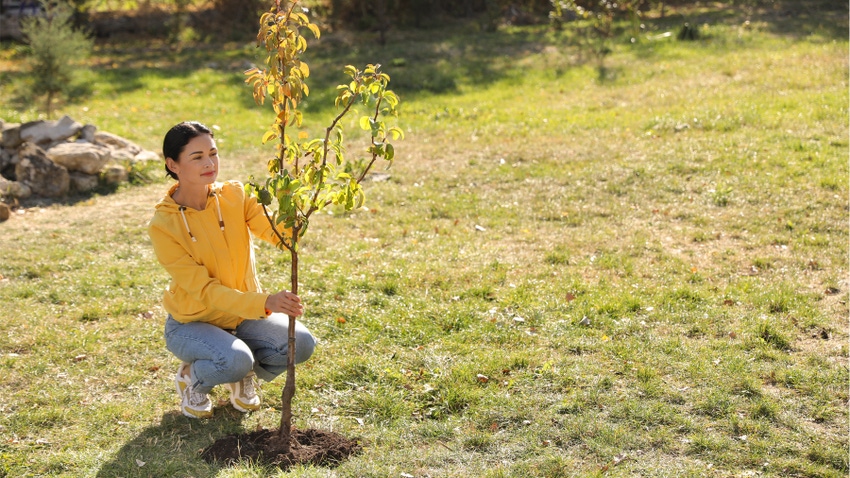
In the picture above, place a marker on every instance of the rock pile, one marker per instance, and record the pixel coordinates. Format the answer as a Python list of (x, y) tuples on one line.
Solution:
[(54, 158)]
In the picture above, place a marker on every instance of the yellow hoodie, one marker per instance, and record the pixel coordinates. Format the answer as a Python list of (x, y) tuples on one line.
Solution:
[(210, 258)]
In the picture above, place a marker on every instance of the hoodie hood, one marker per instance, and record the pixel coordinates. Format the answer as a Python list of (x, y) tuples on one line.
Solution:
[(169, 206)]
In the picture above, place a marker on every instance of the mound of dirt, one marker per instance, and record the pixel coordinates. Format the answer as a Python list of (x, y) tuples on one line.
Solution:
[(308, 447)]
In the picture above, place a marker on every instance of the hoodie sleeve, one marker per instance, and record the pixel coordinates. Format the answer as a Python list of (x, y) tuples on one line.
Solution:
[(192, 289), (257, 221)]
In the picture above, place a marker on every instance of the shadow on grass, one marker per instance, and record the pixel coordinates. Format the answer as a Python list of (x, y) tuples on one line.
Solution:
[(791, 18), (421, 61), (172, 447)]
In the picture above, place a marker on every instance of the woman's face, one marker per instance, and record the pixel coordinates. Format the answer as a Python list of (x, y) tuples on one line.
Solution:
[(198, 163)]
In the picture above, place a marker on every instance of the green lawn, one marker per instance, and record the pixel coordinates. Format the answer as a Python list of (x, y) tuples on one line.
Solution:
[(641, 274)]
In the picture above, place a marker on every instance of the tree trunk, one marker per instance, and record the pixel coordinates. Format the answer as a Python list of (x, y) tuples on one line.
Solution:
[(289, 387)]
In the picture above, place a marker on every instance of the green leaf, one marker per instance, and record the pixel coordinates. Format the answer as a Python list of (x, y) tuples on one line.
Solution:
[(264, 196), (390, 152)]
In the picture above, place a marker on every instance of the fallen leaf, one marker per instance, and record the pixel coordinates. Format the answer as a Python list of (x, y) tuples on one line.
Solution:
[(80, 358), (406, 475), (482, 378), (480, 228), (340, 320), (584, 321), (570, 297), (140, 463)]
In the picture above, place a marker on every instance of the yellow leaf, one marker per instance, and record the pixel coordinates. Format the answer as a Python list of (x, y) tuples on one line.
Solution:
[(270, 135), (315, 29)]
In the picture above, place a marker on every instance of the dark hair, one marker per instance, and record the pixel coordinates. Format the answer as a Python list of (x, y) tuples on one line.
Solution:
[(178, 137)]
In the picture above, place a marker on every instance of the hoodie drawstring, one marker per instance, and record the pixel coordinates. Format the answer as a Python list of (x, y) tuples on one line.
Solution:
[(218, 208), (186, 223)]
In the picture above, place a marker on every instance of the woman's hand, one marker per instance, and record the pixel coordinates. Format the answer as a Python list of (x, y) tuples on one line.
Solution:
[(285, 302)]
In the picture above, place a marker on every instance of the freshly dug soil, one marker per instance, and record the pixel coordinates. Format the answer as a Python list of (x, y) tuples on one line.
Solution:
[(308, 447)]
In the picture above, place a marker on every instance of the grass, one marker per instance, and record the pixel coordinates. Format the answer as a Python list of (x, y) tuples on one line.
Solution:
[(643, 275)]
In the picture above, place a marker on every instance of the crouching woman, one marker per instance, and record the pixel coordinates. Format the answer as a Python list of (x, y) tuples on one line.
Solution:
[(220, 324)]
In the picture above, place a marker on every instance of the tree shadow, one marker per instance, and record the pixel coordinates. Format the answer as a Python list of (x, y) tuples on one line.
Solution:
[(172, 447), (804, 18), (423, 61)]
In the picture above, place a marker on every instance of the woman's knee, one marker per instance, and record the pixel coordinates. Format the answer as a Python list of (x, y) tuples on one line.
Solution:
[(305, 344), (240, 360)]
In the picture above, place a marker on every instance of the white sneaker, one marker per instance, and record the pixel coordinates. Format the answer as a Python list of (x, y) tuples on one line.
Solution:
[(192, 403), (243, 394)]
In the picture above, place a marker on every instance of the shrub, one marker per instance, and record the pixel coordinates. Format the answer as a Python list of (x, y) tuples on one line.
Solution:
[(55, 50)]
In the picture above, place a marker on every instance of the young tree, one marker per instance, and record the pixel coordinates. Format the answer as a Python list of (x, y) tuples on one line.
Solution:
[(305, 177), (55, 49)]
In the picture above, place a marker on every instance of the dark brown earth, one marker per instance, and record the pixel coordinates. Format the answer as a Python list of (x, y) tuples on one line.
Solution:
[(308, 447)]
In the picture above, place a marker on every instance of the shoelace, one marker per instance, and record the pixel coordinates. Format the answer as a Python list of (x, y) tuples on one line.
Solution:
[(197, 399), (248, 386)]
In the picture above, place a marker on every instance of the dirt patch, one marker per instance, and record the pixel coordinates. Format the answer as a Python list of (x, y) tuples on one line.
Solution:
[(308, 447)]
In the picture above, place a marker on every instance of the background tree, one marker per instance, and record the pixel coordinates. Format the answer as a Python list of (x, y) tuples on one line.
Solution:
[(55, 50), (305, 177)]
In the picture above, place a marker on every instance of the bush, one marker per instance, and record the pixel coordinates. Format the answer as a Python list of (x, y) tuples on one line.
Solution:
[(55, 50)]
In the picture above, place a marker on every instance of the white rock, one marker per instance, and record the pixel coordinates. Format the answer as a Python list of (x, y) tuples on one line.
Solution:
[(147, 155), (40, 132), (83, 157), (42, 175), (14, 189), (11, 135), (114, 174), (88, 132), (116, 142), (82, 182)]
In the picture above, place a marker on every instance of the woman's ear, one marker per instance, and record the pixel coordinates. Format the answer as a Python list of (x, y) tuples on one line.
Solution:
[(172, 165)]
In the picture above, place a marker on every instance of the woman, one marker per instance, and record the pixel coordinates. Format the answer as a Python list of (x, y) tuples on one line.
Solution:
[(220, 324)]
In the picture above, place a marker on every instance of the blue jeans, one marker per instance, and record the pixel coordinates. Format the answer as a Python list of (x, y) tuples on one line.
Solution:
[(219, 356)]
